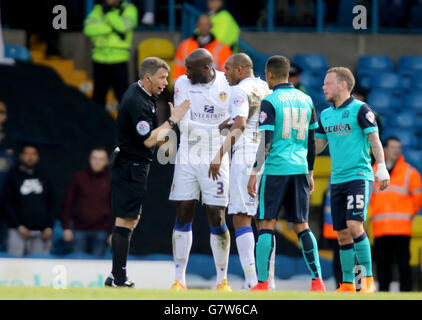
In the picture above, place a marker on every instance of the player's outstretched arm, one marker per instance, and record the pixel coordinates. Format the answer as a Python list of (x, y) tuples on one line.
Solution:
[(177, 114), (382, 174)]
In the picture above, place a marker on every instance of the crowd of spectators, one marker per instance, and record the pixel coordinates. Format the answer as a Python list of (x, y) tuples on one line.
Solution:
[(29, 206)]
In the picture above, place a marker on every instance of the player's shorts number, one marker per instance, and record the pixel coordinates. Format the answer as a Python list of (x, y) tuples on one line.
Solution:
[(297, 119), (355, 202), (220, 188)]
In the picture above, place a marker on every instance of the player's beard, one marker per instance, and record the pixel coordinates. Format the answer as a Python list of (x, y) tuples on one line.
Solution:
[(332, 99)]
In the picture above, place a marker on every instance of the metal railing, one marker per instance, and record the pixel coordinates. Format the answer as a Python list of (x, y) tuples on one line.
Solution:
[(188, 12)]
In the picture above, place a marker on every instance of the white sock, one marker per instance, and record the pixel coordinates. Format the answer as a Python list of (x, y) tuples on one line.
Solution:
[(271, 282), (246, 249), (182, 243), (220, 246)]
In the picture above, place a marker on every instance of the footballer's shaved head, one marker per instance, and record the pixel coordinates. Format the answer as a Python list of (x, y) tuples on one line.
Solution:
[(200, 56), (238, 67), (241, 60), (199, 66)]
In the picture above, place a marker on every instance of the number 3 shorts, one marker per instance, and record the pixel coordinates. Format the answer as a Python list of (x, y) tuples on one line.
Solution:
[(349, 201), (190, 180)]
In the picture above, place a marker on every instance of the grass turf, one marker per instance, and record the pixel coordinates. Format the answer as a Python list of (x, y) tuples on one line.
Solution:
[(48, 293)]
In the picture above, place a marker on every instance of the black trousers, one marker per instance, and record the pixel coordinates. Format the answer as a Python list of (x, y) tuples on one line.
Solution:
[(109, 75), (389, 250)]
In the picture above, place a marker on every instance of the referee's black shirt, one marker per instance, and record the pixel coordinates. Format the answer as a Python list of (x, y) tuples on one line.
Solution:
[(137, 117)]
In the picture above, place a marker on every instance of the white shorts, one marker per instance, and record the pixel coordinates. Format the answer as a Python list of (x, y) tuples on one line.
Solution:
[(191, 180), (240, 170)]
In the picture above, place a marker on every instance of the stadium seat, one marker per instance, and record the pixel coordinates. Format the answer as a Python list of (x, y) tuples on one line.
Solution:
[(406, 79), (415, 82), (314, 63), (409, 64), (405, 120), (17, 52), (312, 80), (385, 80), (156, 47), (364, 80), (382, 101), (369, 63), (413, 101)]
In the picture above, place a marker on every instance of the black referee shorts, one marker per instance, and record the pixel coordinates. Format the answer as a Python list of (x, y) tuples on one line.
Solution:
[(128, 188)]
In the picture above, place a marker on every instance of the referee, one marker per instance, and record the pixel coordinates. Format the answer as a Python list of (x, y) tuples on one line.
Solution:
[(137, 131)]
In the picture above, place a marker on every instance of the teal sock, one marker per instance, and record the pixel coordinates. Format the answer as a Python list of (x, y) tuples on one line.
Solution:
[(363, 253), (347, 260), (310, 252), (264, 248)]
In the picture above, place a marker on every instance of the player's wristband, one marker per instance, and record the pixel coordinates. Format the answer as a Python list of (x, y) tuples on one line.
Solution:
[(382, 172), (171, 122)]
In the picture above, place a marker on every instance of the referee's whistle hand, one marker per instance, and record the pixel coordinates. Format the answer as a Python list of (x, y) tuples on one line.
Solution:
[(178, 112)]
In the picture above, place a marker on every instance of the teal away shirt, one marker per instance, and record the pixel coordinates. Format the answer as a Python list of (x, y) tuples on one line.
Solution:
[(346, 128)]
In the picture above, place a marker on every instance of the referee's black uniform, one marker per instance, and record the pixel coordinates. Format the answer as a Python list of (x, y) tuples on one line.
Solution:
[(136, 119)]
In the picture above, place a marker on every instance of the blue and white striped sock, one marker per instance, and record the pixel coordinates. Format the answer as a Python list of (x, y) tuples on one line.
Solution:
[(182, 243)]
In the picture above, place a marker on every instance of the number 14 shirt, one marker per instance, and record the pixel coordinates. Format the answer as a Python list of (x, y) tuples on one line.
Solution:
[(290, 114)]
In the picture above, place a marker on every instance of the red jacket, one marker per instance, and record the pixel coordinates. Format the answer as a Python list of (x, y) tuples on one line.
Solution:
[(88, 201)]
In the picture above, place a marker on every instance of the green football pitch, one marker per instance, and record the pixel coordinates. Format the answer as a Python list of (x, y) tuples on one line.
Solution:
[(48, 293)]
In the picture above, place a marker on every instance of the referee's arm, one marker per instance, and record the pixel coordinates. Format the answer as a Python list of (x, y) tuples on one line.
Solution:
[(176, 115)]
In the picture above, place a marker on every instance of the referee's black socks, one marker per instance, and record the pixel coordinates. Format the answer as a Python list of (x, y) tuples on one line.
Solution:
[(120, 241)]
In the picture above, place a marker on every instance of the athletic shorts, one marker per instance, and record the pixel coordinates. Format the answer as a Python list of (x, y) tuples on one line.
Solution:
[(289, 191), (349, 201), (240, 169), (191, 180), (128, 188)]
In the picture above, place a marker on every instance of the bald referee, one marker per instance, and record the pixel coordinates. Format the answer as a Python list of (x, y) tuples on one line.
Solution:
[(137, 132)]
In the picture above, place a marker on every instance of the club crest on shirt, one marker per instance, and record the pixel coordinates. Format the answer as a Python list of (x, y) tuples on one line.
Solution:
[(262, 117), (223, 96), (370, 116), (142, 127), (345, 114)]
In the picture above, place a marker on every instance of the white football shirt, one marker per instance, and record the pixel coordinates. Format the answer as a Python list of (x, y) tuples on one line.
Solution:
[(209, 107), (245, 102)]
